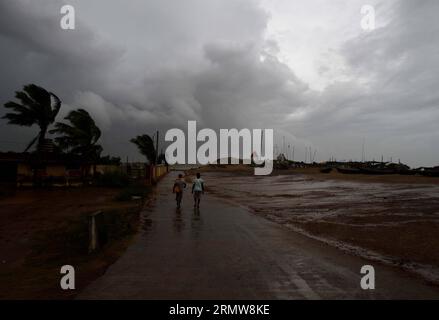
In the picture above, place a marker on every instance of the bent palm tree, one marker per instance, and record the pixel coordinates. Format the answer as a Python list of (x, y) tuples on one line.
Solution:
[(146, 147), (37, 106), (80, 137)]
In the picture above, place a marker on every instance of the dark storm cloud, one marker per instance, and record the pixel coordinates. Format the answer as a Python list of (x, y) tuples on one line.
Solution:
[(146, 65), (38, 48)]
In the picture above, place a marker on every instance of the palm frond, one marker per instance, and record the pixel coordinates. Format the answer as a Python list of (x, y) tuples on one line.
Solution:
[(145, 144), (80, 135), (34, 107)]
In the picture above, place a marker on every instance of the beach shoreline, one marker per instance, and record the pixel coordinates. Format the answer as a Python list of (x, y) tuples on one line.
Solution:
[(314, 172), (388, 219)]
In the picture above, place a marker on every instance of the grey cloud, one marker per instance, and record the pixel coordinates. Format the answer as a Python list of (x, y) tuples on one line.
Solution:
[(145, 65), (391, 98)]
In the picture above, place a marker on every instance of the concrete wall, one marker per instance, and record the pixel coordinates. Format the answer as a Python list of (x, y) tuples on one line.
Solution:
[(56, 170), (24, 170), (103, 168), (160, 171)]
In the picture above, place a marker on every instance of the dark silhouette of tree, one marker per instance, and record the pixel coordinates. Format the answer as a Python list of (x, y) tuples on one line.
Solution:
[(36, 106), (146, 147), (161, 159), (80, 137), (110, 160)]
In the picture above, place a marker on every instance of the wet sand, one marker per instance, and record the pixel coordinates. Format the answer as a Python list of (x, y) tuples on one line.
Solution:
[(223, 251), (384, 219)]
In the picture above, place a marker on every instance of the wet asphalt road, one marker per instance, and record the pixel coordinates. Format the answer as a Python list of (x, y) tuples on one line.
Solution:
[(224, 252)]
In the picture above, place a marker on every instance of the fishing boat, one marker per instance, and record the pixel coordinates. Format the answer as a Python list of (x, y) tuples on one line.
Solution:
[(348, 170), (377, 171), (325, 170), (430, 172), (407, 172)]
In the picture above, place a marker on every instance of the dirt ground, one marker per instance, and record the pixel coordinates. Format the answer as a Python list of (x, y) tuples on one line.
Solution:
[(41, 230)]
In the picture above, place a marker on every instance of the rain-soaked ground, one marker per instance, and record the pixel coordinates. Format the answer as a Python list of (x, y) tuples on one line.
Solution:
[(393, 223), (223, 251)]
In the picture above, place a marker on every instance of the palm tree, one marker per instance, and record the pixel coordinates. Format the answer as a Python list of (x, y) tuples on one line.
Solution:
[(37, 106), (80, 137), (146, 147)]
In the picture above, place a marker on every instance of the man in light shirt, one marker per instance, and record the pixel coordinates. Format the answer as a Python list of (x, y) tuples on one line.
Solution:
[(197, 190)]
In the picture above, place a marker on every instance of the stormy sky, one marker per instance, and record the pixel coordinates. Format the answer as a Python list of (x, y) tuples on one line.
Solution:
[(304, 68)]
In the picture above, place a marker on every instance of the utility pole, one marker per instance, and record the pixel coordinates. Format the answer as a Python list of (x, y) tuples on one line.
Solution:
[(283, 146), (363, 155), (157, 147)]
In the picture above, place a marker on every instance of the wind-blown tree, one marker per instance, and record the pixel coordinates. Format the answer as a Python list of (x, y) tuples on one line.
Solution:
[(36, 106), (80, 136), (145, 144)]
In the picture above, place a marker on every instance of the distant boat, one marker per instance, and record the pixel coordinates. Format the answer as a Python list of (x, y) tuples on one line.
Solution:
[(377, 171), (430, 172), (348, 170), (325, 170), (407, 172)]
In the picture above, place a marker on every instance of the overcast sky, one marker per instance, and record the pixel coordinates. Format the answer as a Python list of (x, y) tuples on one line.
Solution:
[(304, 68)]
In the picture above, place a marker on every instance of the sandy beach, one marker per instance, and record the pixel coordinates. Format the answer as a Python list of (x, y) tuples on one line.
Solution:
[(392, 219)]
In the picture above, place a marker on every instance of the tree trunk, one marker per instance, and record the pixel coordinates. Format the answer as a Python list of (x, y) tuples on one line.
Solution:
[(42, 137)]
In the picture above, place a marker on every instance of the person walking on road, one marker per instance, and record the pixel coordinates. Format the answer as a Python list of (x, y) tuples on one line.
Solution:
[(197, 190), (179, 185)]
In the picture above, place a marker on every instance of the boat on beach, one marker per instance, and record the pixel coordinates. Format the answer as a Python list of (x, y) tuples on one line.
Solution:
[(348, 170), (376, 168), (377, 171), (430, 172), (326, 170)]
